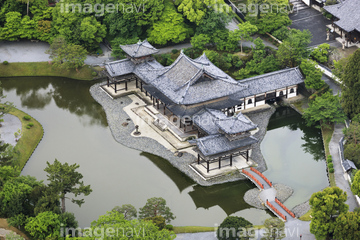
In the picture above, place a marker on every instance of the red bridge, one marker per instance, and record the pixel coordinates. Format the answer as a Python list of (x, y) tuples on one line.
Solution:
[(268, 194)]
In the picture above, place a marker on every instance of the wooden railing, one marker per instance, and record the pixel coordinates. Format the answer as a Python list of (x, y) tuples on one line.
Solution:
[(253, 178), (275, 210), (285, 208), (261, 175)]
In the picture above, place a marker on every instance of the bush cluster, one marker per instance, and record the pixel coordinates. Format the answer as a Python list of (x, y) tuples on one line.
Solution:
[(27, 117)]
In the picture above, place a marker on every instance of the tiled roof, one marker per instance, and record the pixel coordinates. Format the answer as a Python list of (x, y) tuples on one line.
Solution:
[(348, 14), (211, 121), (270, 82), (348, 165), (126, 66), (216, 144), (140, 49), (191, 81)]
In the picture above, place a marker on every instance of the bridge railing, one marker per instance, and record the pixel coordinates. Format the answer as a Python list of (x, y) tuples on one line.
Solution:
[(275, 210), (285, 208), (261, 175), (253, 178)]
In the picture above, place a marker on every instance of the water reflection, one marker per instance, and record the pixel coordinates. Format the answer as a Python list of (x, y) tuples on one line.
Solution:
[(37, 93), (288, 117)]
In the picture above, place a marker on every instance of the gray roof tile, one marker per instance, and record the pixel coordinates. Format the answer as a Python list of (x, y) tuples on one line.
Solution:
[(348, 13), (140, 49)]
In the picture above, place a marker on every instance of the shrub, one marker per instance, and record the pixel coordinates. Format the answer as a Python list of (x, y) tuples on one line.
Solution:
[(28, 127), (174, 51), (27, 118), (169, 227), (229, 223), (5, 62), (331, 165), (159, 221), (282, 33), (31, 124), (329, 160), (331, 170), (94, 74)]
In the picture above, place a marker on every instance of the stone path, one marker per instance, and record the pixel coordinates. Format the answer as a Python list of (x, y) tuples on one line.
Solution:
[(340, 180)]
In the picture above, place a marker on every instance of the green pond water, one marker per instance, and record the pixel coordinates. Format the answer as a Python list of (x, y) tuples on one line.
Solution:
[(76, 131)]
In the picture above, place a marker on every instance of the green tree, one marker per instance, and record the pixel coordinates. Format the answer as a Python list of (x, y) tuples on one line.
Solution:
[(321, 53), (233, 228), (65, 55), (200, 41), (27, 5), (324, 109), (326, 205), (244, 32), (350, 87), (170, 27), (45, 225), (8, 155), (154, 207), (352, 136), (134, 229), (12, 28), (128, 210), (355, 186), (212, 22), (8, 173), (65, 179), (312, 75), (347, 226), (295, 48), (195, 10), (339, 67), (92, 33), (274, 229), (270, 19), (159, 221)]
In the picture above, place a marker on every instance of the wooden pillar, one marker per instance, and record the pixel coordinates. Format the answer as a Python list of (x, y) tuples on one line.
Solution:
[(198, 158), (153, 99), (136, 82), (146, 93), (164, 109), (157, 104), (219, 162), (126, 87), (254, 100), (115, 87), (141, 86), (180, 122), (247, 155), (244, 103), (265, 96), (230, 160), (108, 81), (286, 92), (207, 167)]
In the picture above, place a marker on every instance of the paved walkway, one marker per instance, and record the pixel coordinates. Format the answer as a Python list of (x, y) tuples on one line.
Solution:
[(10, 125), (340, 180)]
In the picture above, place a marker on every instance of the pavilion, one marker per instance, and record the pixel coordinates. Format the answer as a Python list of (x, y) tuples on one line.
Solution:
[(347, 19), (195, 90)]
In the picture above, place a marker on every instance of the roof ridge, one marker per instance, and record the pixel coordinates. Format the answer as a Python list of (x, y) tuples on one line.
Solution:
[(267, 74), (174, 63)]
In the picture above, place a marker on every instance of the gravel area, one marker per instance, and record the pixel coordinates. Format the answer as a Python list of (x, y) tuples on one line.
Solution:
[(252, 198), (301, 209), (116, 115)]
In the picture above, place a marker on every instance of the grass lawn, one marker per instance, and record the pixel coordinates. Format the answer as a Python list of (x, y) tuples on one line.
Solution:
[(193, 229), (30, 138), (306, 216), (327, 132), (40, 69)]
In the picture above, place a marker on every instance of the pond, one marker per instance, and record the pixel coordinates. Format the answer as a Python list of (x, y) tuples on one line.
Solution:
[(76, 131)]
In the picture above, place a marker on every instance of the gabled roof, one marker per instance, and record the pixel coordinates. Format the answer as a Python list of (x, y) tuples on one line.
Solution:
[(124, 67), (139, 49), (213, 121), (190, 81), (348, 14), (218, 143), (348, 165), (271, 81)]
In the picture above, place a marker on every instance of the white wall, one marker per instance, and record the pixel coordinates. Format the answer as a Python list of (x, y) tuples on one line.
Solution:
[(251, 105), (307, 2), (260, 103)]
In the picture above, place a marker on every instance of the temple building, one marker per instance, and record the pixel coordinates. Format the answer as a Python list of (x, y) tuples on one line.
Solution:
[(346, 19), (193, 97)]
